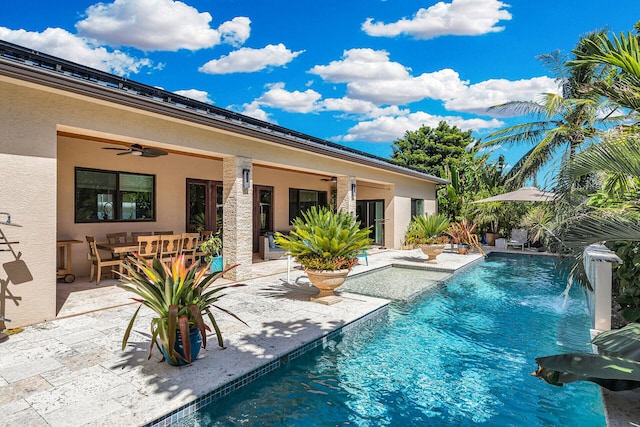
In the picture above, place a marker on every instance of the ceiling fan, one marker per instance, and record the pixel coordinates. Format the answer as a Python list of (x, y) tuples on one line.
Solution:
[(138, 150)]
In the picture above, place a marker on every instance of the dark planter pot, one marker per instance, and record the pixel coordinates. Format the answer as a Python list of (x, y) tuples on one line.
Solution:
[(196, 344)]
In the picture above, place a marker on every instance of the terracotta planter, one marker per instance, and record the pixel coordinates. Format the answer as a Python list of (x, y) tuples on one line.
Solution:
[(463, 249), (327, 281), (491, 238), (432, 251)]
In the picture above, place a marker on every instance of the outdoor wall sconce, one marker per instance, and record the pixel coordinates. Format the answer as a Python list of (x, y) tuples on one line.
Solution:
[(353, 190), (246, 179)]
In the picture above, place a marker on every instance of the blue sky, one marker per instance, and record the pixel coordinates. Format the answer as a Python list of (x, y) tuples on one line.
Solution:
[(356, 72)]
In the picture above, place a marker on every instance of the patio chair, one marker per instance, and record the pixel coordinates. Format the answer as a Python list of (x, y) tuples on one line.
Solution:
[(148, 246), (363, 254), (120, 237), (97, 262), (169, 246), (190, 246), (135, 234), (518, 239)]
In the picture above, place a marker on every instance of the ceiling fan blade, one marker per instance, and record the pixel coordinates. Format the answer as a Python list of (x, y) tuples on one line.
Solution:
[(153, 152), (122, 154), (116, 148)]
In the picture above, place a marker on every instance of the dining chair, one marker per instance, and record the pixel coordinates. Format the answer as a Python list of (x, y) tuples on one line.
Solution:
[(120, 237), (148, 246), (97, 262), (169, 246), (135, 234), (190, 245)]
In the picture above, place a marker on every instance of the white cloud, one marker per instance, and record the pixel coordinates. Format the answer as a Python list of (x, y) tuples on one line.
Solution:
[(371, 76), (299, 102), (361, 108), (247, 60), (253, 110), (389, 128), (361, 64), (158, 25), (198, 95), (441, 84), (480, 96), (61, 43), (236, 31), (460, 18)]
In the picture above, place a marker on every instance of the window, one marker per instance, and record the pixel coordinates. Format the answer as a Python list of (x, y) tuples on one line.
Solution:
[(417, 207), (302, 200), (113, 196)]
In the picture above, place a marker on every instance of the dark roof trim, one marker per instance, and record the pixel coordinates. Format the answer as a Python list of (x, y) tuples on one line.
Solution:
[(36, 67)]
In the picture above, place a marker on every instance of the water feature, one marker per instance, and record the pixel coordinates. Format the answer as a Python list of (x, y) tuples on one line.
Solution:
[(459, 355)]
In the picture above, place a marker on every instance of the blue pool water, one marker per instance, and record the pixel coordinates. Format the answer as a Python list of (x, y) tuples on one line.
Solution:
[(459, 355)]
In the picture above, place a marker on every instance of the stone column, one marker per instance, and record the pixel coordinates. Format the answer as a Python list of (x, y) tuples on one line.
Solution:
[(238, 216), (346, 200)]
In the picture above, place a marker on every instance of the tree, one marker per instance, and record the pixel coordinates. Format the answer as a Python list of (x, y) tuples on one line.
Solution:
[(561, 122), (433, 150)]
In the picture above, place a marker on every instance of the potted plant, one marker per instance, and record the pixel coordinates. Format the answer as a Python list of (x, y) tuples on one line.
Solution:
[(462, 234), (326, 244), (212, 249), (426, 232), (180, 298), (489, 216)]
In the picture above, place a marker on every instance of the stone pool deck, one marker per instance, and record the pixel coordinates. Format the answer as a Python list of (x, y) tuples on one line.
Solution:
[(71, 371)]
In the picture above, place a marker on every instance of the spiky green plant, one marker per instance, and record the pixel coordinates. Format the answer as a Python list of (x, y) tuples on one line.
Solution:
[(425, 229), (325, 239), (180, 296)]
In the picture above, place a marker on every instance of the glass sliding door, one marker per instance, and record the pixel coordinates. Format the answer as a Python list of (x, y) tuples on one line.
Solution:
[(370, 213)]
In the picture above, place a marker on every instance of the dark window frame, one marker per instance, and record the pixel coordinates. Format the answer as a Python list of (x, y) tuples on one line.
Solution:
[(117, 197), (322, 201), (414, 207)]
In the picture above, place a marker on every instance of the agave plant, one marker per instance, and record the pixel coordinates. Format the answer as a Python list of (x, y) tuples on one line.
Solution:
[(179, 296), (325, 240)]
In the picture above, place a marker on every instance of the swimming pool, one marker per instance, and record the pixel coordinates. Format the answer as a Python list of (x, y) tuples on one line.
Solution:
[(459, 355)]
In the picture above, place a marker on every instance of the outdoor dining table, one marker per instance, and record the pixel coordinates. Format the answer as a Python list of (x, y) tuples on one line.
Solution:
[(118, 248)]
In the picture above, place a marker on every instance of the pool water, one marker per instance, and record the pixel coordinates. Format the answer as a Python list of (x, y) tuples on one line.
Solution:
[(459, 355)]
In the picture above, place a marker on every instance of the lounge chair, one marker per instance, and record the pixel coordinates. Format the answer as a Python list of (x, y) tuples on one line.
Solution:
[(518, 239)]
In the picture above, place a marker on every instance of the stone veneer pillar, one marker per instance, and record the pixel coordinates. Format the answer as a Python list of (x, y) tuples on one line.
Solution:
[(345, 200), (237, 217)]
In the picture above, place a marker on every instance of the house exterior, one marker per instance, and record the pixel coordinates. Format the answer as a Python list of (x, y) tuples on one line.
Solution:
[(68, 170)]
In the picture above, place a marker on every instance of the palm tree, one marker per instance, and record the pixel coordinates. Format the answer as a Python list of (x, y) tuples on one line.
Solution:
[(621, 54), (561, 121)]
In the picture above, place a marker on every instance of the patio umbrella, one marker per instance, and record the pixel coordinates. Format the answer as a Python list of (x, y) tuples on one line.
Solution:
[(527, 194)]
